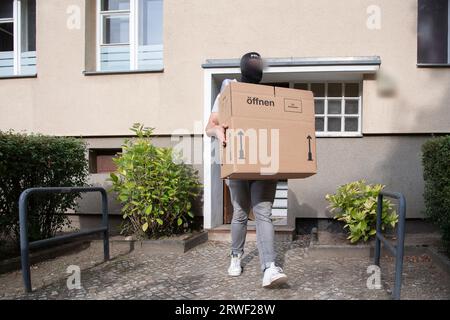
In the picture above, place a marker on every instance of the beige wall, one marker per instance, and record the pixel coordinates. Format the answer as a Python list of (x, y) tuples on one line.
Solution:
[(62, 101), (392, 161)]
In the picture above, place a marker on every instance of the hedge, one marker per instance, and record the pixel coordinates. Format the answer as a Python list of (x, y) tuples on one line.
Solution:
[(39, 161), (436, 163)]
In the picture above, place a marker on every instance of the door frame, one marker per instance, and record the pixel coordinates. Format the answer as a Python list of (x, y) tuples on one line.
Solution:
[(213, 210)]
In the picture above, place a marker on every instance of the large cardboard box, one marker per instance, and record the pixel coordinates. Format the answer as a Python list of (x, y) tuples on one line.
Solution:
[(271, 132)]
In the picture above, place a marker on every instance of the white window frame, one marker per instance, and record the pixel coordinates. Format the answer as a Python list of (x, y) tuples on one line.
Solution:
[(341, 115), (17, 35), (133, 13)]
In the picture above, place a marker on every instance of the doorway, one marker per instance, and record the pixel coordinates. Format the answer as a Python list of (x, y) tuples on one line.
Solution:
[(279, 208), (224, 204), (280, 205), (216, 206)]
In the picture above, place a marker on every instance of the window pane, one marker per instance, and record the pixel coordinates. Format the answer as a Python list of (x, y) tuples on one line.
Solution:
[(150, 53), (28, 27), (319, 106), (108, 5), (319, 124), (334, 106), (6, 49), (334, 124), (351, 124), (432, 36), (28, 40), (301, 86), (150, 22), (6, 36), (335, 90), (115, 58), (318, 89), (351, 106), (116, 29), (352, 89), (6, 9)]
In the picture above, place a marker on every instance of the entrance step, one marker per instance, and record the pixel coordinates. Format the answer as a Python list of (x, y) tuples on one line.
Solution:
[(223, 233)]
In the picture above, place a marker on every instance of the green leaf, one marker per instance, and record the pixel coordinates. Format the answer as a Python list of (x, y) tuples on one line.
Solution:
[(145, 226), (159, 221), (148, 209), (179, 221), (114, 177)]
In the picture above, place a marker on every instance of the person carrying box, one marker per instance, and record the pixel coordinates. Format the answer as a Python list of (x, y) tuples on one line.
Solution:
[(258, 195)]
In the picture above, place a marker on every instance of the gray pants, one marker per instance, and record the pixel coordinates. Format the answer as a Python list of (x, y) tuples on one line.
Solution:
[(258, 195)]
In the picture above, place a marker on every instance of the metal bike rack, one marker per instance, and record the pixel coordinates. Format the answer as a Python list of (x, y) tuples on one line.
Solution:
[(25, 246), (397, 250)]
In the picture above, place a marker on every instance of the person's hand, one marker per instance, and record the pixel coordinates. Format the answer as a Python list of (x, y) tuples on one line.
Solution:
[(219, 132)]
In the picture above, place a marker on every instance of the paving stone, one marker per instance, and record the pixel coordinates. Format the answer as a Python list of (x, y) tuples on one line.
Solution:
[(201, 273)]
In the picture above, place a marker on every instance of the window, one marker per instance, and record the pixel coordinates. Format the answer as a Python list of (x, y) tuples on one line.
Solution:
[(337, 107), (17, 37), (129, 34), (101, 160), (433, 36)]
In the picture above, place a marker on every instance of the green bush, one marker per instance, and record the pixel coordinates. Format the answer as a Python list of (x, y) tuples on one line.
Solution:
[(38, 161), (436, 164), (355, 203), (156, 192)]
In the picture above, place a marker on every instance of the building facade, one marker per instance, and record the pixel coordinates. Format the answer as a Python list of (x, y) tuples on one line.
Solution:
[(92, 68)]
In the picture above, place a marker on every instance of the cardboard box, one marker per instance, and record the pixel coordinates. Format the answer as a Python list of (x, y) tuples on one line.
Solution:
[(271, 132)]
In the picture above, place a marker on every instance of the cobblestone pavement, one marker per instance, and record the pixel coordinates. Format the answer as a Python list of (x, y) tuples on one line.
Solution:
[(201, 273)]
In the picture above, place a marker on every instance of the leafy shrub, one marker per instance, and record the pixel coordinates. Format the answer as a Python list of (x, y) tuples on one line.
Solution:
[(355, 203), (156, 192), (436, 163), (39, 161)]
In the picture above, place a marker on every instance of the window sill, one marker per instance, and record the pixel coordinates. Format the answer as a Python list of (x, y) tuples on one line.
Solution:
[(339, 135), (103, 73), (27, 76), (433, 65)]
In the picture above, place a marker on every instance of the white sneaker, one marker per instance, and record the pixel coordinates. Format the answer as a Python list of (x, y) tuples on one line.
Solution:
[(273, 276), (235, 268)]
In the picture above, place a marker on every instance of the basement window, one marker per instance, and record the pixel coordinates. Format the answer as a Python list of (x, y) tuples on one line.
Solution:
[(101, 160)]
